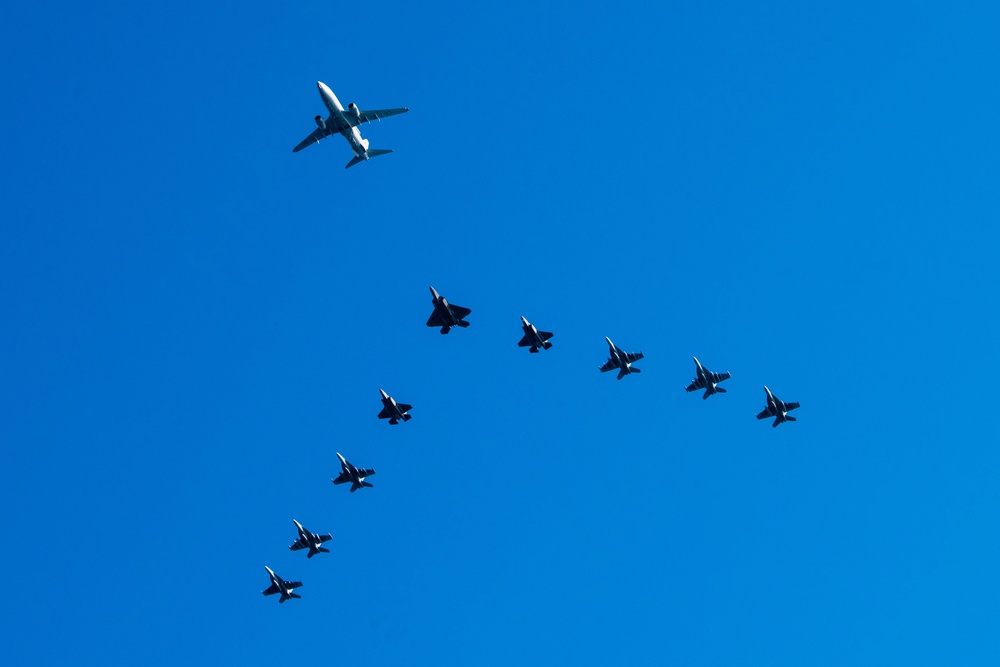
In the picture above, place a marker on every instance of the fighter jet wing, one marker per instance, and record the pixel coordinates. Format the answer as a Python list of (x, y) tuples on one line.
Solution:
[(296, 546), (459, 312), (379, 114), (791, 406), (366, 472), (764, 414), (545, 335), (342, 478), (313, 138), (435, 320), (633, 356), (609, 365), (325, 538), (696, 385), (292, 584), (271, 590), (719, 377), (385, 413), (524, 342), (404, 407)]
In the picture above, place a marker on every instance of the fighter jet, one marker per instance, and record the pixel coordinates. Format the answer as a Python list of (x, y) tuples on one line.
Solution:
[(394, 411), (446, 315), (310, 541), (533, 337), (356, 476), (345, 122), (279, 585), (708, 381), (777, 408), (621, 360)]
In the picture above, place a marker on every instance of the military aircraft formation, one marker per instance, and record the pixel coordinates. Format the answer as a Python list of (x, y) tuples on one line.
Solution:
[(448, 316)]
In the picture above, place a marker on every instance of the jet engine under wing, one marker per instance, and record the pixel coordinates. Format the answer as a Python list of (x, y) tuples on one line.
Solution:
[(313, 138), (379, 114)]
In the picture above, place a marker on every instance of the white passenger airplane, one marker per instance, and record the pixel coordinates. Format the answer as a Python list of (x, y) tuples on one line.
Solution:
[(345, 122)]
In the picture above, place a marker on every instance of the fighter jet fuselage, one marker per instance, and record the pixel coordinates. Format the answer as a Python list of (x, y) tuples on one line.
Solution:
[(707, 380), (394, 411), (350, 473), (446, 315), (621, 360), (310, 541), (280, 586), (778, 409), (534, 338)]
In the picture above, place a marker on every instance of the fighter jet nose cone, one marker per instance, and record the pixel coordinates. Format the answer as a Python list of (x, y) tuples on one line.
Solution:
[(384, 395)]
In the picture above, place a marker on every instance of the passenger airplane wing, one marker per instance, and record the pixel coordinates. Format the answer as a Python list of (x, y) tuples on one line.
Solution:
[(313, 138), (378, 114)]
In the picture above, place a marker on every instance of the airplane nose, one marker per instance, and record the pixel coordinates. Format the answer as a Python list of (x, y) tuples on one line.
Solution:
[(384, 395), (434, 293), (609, 340), (523, 319)]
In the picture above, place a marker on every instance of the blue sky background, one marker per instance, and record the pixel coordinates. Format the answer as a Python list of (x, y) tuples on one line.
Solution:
[(196, 320)]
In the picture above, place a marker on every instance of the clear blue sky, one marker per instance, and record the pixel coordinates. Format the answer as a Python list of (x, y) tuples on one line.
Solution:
[(196, 320)]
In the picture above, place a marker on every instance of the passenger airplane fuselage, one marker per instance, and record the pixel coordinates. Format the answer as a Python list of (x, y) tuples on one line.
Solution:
[(345, 122)]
